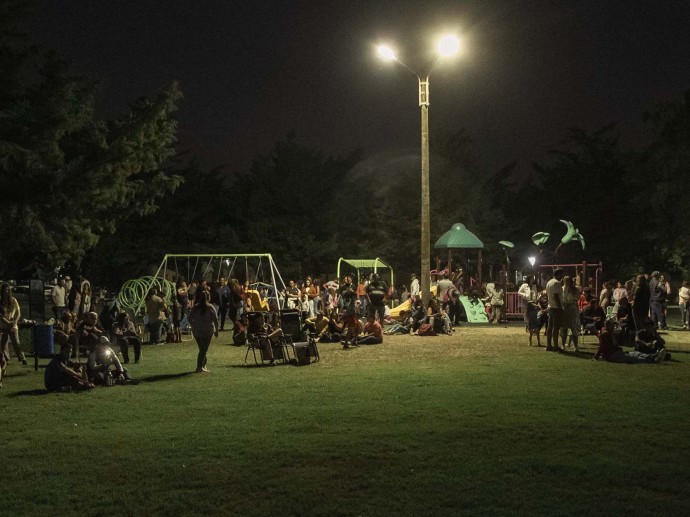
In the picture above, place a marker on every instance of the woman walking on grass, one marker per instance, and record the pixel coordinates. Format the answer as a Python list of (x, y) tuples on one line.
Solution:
[(571, 313), (204, 322)]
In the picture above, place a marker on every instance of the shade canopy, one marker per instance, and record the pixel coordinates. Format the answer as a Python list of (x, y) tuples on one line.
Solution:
[(458, 237), (358, 264)]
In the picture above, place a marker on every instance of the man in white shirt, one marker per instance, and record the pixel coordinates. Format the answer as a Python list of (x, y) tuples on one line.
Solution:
[(57, 295), (554, 291), (414, 287)]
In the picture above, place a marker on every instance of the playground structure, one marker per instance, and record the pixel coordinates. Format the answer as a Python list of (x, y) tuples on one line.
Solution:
[(210, 267), (580, 272), (134, 291), (459, 238), (359, 264)]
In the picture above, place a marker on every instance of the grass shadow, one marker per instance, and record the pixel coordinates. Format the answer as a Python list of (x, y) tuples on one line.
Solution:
[(29, 393), (250, 365), (577, 355), (165, 377)]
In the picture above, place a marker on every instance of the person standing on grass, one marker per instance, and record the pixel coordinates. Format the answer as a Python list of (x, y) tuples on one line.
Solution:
[(497, 302), (10, 315), (414, 287), (684, 303), (376, 297), (204, 322), (155, 310), (58, 297), (348, 294), (554, 291), (657, 298), (641, 302), (571, 314)]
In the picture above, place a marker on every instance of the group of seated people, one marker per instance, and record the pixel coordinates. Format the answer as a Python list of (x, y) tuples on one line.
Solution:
[(89, 336), (83, 332), (433, 320), (649, 346), (102, 368)]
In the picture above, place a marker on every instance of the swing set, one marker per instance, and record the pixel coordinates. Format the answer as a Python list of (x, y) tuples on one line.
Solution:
[(259, 267)]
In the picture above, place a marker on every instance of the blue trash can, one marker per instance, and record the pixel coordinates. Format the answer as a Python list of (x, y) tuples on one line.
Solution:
[(43, 340)]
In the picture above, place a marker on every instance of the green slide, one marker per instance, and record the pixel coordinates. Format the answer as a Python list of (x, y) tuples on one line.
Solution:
[(475, 311)]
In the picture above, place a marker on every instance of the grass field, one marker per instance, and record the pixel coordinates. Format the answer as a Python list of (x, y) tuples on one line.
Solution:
[(476, 423)]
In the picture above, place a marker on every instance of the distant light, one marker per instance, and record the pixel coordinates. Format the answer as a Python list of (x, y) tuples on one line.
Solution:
[(532, 260), (386, 53), (448, 45)]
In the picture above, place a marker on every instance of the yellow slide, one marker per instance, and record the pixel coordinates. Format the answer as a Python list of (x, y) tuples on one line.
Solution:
[(258, 304), (407, 305)]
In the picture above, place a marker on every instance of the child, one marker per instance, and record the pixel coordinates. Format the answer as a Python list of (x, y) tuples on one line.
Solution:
[(533, 321), (176, 314)]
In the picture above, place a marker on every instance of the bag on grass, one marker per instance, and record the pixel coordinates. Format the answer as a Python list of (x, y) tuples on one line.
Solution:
[(425, 329)]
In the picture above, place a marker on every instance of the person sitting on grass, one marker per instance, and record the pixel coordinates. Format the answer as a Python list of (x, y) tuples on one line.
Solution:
[(62, 374), (126, 334), (334, 331), (402, 325), (103, 364), (88, 332), (625, 320), (373, 333), (609, 351), (649, 341), (437, 317), (319, 326), (593, 317)]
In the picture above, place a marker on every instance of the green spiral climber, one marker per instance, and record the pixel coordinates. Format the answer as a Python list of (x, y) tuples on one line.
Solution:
[(133, 292)]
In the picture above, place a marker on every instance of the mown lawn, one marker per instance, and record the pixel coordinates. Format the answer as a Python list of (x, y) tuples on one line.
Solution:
[(475, 423)]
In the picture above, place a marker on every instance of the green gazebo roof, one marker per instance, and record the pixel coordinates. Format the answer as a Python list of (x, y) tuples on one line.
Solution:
[(458, 237)]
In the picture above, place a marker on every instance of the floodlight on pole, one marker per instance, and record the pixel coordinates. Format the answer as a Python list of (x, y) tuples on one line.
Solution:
[(448, 45), (532, 260), (386, 53)]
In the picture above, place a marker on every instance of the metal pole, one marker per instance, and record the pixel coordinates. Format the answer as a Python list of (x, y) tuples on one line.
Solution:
[(426, 226)]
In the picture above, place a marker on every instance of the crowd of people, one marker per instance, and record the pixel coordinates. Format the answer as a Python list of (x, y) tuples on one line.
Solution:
[(628, 314)]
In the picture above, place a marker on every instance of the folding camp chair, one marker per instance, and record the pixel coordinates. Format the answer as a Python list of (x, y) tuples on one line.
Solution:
[(257, 340), (303, 344)]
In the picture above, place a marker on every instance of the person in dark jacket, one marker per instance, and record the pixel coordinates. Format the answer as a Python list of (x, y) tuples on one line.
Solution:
[(641, 302)]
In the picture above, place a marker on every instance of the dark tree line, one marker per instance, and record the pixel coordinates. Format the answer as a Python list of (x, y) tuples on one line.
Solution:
[(111, 196)]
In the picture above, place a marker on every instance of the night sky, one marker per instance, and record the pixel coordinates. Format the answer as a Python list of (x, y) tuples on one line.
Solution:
[(252, 71)]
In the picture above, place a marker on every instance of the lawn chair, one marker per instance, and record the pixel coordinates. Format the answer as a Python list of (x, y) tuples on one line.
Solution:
[(297, 337), (257, 340)]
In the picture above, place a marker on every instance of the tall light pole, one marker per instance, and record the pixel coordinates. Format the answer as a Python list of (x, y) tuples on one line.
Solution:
[(448, 46)]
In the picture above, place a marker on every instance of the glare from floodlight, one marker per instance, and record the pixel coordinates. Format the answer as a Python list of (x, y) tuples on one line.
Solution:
[(386, 53), (532, 260), (448, 45)]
